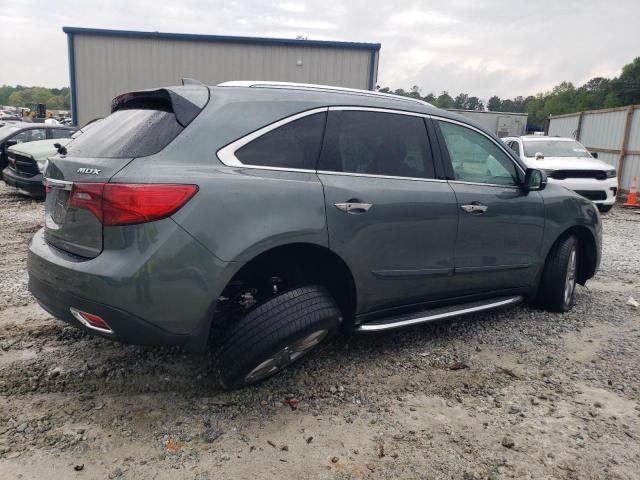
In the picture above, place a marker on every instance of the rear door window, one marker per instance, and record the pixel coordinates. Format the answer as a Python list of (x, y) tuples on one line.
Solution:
[(127, 133), (377, 143), (294, 145)]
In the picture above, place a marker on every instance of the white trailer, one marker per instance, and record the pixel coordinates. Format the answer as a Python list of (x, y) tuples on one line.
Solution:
[(503, 124)]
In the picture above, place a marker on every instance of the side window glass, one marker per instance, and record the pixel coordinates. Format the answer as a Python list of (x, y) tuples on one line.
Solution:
[(475, 158), (294, 145), (30, 135), (61, 133), (377, 143), (515, 146)]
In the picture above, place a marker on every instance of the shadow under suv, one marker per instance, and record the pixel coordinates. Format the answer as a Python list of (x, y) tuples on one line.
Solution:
[(263, 217)]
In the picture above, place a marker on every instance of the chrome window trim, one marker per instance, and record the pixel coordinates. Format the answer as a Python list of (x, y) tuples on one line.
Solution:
[(377, 110), (502, 147), (227, 154), (276, 169), (512, 187), (373, 175)]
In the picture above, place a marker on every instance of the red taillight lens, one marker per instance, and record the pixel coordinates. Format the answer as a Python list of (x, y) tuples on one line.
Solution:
[(126, 203), (88, 196)]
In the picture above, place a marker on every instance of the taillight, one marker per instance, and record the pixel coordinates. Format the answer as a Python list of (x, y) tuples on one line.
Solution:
[(130, 203)]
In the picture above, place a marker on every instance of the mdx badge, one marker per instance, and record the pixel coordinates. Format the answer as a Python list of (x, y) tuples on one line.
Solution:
[(93, 171)]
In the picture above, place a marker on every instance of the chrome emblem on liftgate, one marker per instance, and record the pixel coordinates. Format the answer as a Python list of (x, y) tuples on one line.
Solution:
[(93, 171)]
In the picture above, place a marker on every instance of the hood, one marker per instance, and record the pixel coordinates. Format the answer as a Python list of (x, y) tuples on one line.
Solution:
[(40, 149), (568, 163)]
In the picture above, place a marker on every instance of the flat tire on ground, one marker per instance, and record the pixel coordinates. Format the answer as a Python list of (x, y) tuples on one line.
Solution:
[(276, 334)]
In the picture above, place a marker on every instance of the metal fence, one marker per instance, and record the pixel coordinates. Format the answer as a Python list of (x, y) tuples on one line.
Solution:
[(614, 133)]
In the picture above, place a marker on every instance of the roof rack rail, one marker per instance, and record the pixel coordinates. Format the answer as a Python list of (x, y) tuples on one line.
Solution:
[(192, 81), (312, 86)]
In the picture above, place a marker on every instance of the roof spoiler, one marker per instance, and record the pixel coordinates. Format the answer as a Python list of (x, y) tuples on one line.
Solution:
[(185, 102)]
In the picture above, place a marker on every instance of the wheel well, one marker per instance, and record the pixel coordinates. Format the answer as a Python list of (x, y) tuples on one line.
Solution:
[(587, 252), (305, 264)]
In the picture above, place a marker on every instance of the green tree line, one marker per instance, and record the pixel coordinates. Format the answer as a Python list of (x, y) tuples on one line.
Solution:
[(599, 92), (21, 96)]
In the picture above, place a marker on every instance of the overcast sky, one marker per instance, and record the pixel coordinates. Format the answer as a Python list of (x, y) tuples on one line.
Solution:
[(482, 48)]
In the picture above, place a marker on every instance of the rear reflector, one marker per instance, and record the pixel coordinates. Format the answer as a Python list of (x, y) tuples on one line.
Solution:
[(89, 320), (130, 203)]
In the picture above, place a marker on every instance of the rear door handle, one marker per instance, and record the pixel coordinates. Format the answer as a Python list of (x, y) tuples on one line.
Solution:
[(474, 207), (354, 207)]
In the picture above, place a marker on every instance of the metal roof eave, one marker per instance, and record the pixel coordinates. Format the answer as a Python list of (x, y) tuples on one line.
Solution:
[(221, 38)]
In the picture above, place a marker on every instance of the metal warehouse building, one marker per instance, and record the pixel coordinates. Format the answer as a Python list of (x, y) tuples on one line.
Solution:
[(106, 63)]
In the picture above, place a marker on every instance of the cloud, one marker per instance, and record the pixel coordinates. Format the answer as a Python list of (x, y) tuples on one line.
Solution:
[(480, 48)]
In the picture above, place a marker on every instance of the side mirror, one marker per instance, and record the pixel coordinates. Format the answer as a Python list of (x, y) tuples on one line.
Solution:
[(594, 154), (11, 143), (539, 156), (56, 146), (534, 180)]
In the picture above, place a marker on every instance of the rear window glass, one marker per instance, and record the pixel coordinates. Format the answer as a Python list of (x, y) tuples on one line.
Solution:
[(127, 133)]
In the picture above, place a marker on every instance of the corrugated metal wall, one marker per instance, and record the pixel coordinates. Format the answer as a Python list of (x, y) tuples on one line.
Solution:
[(563, 126), (603, 131), (108, 66)]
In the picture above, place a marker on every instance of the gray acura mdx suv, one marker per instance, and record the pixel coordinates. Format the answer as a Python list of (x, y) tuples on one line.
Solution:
[(262, 217)]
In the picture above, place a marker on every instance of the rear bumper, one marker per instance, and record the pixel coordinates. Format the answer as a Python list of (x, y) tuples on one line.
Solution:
[(127, 328), (601, 192), (157, 290), (28, 185)]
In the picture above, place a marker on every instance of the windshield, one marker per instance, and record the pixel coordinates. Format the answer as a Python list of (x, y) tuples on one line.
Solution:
[(555, 148), (7, 130)]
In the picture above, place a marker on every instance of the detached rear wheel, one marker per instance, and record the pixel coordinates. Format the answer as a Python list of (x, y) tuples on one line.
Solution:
[(558, 283), (276, 334)]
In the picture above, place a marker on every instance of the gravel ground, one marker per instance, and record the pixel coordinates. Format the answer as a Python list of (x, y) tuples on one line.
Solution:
[(516, 393)]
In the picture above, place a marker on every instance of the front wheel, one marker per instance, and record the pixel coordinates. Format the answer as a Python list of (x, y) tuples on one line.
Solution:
[(275, 334), (558, 282)]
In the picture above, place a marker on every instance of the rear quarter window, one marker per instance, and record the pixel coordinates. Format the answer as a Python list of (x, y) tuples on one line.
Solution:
[(294, 145), (127, 133)]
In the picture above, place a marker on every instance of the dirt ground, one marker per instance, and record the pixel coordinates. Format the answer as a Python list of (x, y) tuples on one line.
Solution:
[(516, 393)]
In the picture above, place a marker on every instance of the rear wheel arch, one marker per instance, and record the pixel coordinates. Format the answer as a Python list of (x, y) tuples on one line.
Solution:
[(304, 264)]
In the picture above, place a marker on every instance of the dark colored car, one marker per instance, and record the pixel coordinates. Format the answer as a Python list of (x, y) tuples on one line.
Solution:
[(263, 217), (22, 132), (27, 162)]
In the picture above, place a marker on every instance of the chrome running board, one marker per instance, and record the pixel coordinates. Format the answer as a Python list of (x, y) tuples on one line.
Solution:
[(436, 314)]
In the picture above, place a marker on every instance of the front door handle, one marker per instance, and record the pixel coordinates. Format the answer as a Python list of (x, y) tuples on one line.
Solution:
[(354, 207), (474, 207)]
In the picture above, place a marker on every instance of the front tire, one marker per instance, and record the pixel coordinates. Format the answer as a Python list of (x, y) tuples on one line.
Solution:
[(604, 208), (558, 282), (276, 334)]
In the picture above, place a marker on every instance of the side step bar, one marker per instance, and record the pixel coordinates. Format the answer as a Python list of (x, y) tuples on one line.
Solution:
[(436, 314)]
